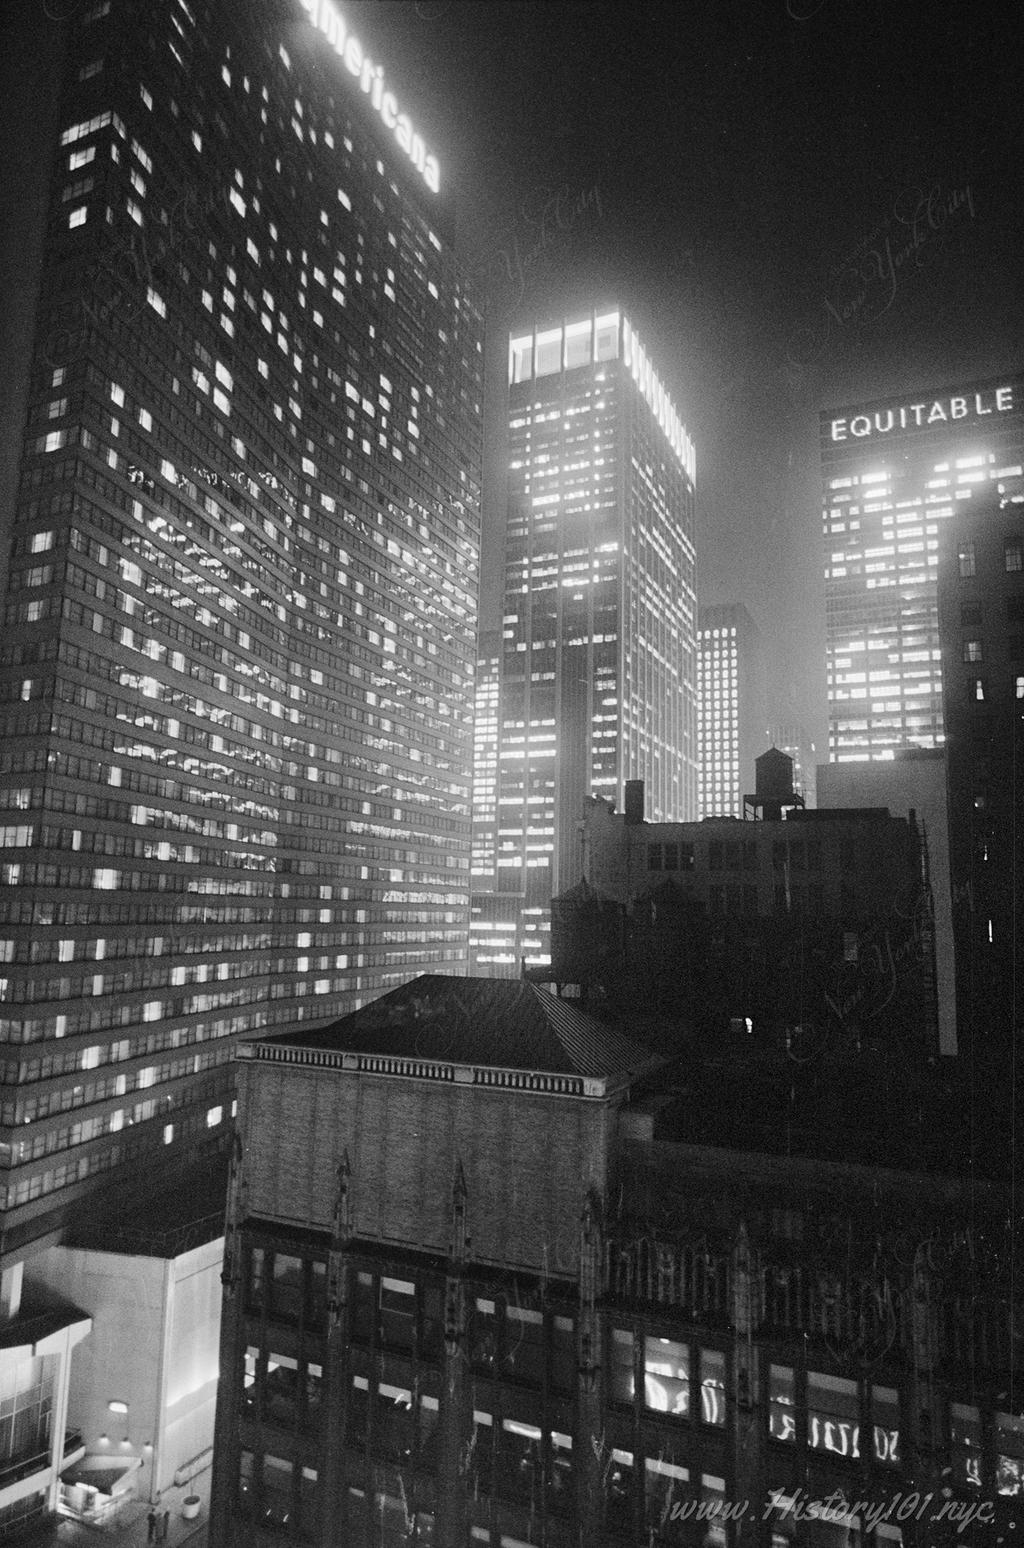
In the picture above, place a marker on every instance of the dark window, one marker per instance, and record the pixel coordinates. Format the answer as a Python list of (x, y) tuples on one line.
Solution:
[(396, 1422), (621, 1377), (654, 857), (257, 1279), (281, 1397), (749, 855), (715, 900), (732, 857), (287, 1287), (246, 1483), (671, 857), (484, 1347), (432, 1332), (619, 1472), (1015, 609), (358, 1417), (397, 1313), (362, 1308), (965, 557), (316, 1311), (563, 1354), (524, 1343), (779, 855), (686, 860), (1015, 647), (796, 856), (1012, 554), (970, 613), (714, 857), (814, 855)]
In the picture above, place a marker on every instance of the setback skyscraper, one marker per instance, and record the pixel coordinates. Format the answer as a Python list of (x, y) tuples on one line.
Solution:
[(894, 471), (598, 673), (241, 614)]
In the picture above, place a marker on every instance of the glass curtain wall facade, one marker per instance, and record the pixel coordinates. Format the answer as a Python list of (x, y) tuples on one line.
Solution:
[(732, 707), (598, 673), (239, 631), (893, 472)]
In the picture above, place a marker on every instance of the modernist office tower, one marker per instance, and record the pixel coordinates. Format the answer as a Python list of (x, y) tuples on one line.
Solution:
[(598, 677), (732, 699), (241, 619), (894, 471)]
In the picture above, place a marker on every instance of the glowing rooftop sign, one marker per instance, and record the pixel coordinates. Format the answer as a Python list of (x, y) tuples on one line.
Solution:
[(936, 411), (371, 81)]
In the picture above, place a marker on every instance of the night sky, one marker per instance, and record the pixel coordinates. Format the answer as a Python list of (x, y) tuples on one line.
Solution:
[(798, 203)]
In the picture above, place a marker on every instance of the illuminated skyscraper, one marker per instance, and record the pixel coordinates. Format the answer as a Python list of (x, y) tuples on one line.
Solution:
[(241, 615), (598, 676), (485, 758), (893, 472), (733, 710)]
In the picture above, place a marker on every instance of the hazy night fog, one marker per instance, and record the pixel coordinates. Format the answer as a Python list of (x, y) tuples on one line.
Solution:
[(797, 204)]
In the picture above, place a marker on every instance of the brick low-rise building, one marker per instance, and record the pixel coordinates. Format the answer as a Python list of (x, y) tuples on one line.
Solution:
[(494, 1276)]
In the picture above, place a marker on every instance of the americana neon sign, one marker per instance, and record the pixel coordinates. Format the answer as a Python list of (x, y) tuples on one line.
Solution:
[(371, 81), (907, 416)]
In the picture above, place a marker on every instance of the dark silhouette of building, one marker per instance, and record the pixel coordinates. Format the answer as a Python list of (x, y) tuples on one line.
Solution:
[(798, 924), (981, 626)]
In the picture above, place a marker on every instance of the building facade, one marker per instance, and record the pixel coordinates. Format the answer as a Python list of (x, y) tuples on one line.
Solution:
[(895, 471), (801, 924), (913, 787), (732, 700), (489, 1296), (240, 620), (598, 671), (792, 738), (981, 625)]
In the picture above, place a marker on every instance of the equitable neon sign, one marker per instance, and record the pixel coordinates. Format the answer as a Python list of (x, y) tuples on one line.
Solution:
[(371, 81), (941, 411)]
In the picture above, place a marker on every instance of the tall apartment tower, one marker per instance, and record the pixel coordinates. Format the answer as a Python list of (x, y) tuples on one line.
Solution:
[(240, 621), (598, 672), (981, 624), (733, 706), (894, 471)]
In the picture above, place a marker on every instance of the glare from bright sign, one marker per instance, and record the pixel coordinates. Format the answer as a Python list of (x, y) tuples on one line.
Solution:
[(371, 81)]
